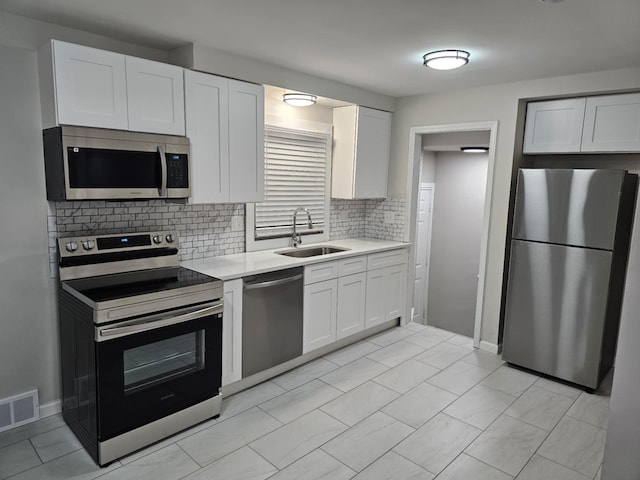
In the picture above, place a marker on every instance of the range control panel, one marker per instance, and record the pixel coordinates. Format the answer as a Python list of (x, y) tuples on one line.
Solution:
[(99, 244)]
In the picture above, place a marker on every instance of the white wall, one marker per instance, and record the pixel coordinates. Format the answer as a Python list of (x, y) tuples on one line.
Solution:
[(428, 166), (28, 325), (222, 63), (497, 102), (458, 207)]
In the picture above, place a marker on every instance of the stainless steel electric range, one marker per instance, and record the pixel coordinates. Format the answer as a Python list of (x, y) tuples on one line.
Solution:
[(141, 341)]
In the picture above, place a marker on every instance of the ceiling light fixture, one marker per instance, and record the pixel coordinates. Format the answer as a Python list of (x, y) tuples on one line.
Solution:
[(299, 99), (446, 59), (474, 149)]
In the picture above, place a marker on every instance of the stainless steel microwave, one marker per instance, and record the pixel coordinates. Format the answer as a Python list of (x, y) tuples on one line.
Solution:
[(84, 163)]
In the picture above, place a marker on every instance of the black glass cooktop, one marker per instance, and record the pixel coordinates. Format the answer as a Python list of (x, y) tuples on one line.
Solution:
[(122, 285)]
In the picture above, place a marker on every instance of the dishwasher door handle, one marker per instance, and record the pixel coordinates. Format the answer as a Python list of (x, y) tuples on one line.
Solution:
[(272, 283)]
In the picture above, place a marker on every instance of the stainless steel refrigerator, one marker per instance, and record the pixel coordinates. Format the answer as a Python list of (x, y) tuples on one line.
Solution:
[(569, 250)]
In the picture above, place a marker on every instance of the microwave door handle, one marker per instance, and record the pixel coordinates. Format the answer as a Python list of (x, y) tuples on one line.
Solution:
[(162, 191)]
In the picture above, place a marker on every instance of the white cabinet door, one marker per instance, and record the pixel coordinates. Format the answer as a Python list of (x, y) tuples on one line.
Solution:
[(319, 323), (361, 140), (396, 291), (376, 298), (386, 290), (155, 97), (372, 153), (232, 332), (246, 142), (207, 117), (554, 126), (351, 304), (90, 86), (612, 124)]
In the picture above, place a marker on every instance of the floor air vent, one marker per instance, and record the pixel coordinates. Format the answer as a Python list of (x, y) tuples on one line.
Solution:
[(18, 410)]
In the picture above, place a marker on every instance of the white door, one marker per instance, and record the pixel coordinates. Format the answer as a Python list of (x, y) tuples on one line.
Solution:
[(155, 96), (612, 124), (246, 142), (351, 304), (376, 301), (554, 126), (319, 315), (207, 116), (91, 88), (423, 243)]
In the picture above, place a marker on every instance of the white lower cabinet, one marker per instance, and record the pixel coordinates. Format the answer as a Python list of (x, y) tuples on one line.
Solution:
[(232, 332), (342, 298), (386, 290), (319, 324), (396, 288), (376, 298), (351, 302)]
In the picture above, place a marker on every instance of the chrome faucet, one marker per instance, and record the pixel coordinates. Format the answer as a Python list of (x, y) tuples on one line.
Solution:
[(296, 239)]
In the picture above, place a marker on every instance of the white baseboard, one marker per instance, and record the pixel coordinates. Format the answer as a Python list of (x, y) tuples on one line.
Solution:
[(50, 408), (490, 347)]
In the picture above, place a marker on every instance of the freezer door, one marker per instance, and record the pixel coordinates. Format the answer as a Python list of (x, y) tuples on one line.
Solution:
[(568, 207), (555, 310)]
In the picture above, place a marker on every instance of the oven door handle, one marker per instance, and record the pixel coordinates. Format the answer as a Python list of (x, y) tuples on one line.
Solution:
[(145, 326)]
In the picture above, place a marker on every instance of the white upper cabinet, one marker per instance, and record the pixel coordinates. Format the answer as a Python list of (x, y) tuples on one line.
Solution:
[(95, 88), (361, 140), (604, 124), (155, 93), (207, 113), (612, 124), (225, 123), (87, 86), (246, 142), (554, 126)]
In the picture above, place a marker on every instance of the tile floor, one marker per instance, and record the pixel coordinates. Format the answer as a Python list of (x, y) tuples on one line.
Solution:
[(413, 402)]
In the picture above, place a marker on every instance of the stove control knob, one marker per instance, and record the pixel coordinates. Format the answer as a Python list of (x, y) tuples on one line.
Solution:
[(71, 247), (169, 238), (88, 244), (157, 239)]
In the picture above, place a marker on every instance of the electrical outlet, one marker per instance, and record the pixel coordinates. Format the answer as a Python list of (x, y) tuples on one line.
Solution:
[(389, 217), (237, 224)]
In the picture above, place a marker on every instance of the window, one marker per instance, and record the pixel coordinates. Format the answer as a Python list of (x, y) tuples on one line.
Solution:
[(297, 166)]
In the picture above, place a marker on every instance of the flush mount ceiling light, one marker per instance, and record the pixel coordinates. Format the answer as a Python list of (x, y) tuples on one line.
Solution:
[(299, 99), (474, 149), (446, 59)]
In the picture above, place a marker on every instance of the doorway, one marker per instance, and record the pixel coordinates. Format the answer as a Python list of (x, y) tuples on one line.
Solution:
[(417, 135)]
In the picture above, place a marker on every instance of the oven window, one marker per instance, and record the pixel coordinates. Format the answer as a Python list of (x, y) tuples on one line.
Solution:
[(153, 363)]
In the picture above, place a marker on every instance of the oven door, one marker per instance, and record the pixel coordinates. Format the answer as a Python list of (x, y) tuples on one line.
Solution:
[(151, 367)]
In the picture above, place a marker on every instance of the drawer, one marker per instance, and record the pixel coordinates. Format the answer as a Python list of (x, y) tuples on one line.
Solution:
[(320, 272), (386, 259), (352, 265)]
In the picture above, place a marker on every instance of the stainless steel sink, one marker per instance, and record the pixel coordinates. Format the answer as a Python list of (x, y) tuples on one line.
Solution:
[(311, 251)]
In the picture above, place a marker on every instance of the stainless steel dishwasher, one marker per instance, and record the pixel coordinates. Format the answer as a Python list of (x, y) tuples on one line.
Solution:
[(271, 319)]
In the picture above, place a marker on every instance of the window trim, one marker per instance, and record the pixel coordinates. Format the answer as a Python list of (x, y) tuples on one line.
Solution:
[(253, 245)]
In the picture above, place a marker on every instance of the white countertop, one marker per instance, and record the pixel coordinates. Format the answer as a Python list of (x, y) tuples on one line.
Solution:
[(229, 267)]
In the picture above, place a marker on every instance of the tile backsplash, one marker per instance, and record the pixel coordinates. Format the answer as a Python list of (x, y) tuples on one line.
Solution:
[(210, 230)]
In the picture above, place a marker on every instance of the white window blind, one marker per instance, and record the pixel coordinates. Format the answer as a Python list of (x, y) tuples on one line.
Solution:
[(296, 163)]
